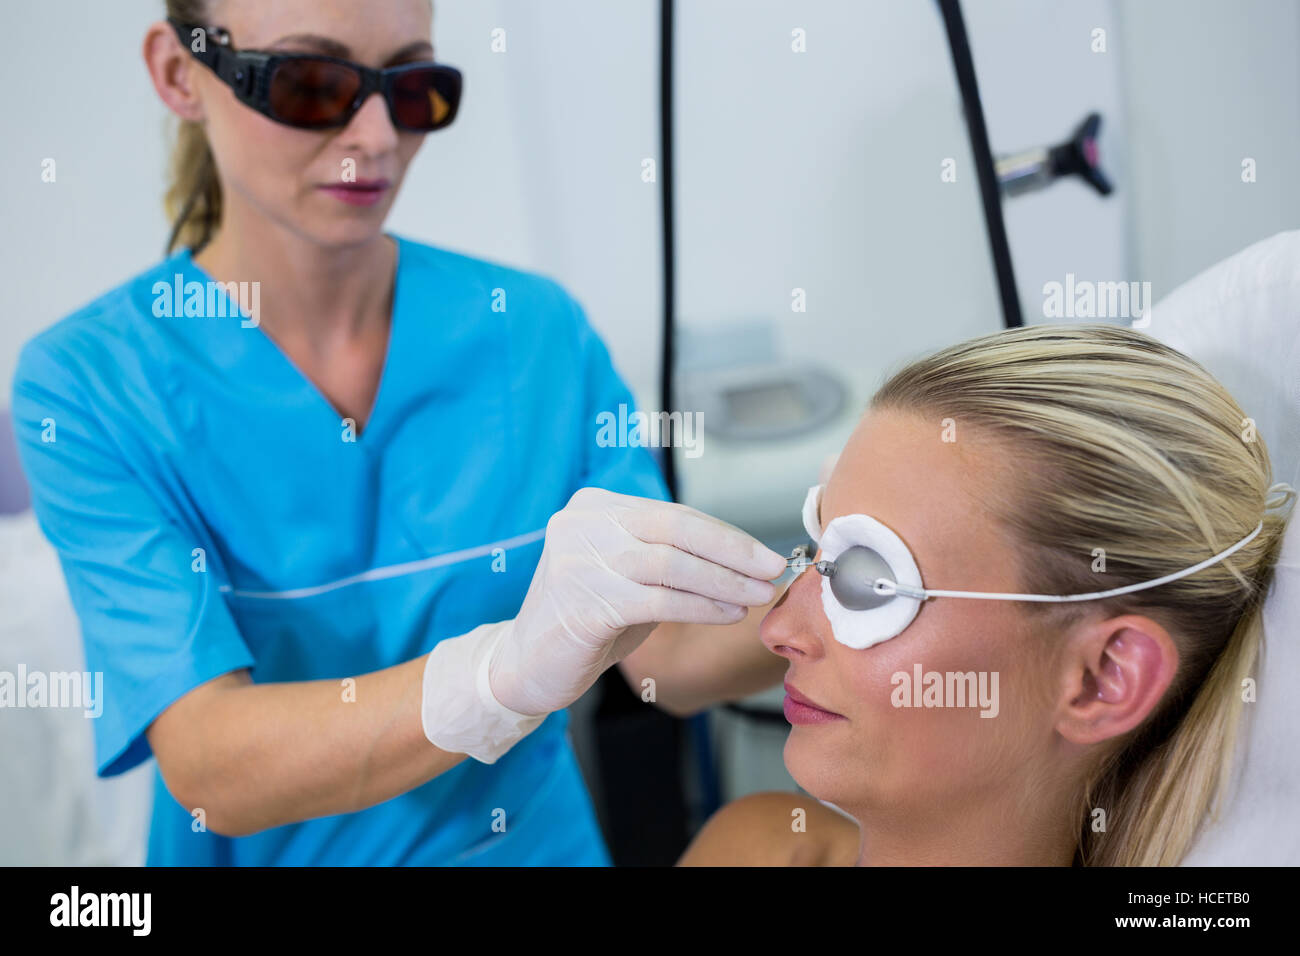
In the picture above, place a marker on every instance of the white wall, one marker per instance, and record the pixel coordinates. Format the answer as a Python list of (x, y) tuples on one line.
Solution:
[(815, 170), (63, 243), (1187, 90), (821, 171), (1209, 83), (541, 169), (1038, 78)]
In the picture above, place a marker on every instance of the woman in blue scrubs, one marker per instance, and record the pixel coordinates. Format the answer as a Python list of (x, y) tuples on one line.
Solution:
[(287, 462)]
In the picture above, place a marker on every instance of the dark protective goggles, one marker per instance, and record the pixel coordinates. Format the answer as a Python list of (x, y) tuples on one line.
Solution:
[(309, 91)]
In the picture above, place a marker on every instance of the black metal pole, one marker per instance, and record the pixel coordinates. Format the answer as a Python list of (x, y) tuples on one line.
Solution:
[(669, 250), (990, 196)]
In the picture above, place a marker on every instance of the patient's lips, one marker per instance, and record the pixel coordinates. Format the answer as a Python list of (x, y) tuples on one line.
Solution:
[(362, 192), (801, 710)]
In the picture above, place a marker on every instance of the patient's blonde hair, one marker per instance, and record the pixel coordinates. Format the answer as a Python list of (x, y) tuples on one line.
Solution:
[(1126, 444)]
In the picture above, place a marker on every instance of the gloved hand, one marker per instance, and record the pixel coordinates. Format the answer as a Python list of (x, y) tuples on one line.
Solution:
[(613, 566)]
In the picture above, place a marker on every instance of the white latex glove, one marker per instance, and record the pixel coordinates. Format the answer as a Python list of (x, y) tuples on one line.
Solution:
[(613, 566)]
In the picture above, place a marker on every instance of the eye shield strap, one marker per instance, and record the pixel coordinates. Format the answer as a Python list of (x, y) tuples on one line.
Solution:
[(866, 566)]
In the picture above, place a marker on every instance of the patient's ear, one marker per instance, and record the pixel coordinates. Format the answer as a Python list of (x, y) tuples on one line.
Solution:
[(1114, 675)]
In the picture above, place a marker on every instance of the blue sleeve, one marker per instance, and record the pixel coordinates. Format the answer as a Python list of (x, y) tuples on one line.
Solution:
[(625, 467), (151, 624)]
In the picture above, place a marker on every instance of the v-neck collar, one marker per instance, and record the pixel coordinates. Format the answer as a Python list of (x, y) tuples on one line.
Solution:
[(379, 403)]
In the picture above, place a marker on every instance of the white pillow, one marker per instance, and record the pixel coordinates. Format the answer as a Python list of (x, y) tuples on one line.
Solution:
[(1241, 320)]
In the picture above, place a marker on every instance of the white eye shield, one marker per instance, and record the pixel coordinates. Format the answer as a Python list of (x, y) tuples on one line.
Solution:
[(872, 589)]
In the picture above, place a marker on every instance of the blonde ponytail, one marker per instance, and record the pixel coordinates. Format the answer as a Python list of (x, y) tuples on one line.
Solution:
[(193, 198)]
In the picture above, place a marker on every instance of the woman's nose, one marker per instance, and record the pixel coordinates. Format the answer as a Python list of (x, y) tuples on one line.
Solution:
[(371, 129), (796, 626)]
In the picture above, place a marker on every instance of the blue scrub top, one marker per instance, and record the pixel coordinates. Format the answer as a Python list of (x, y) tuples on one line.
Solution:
[(148, 435)]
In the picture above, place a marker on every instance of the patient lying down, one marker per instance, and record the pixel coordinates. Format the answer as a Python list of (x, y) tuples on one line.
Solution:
[(1049, 460)]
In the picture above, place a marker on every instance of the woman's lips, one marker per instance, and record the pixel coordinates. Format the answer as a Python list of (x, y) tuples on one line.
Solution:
[(363, 192), (800, 710)]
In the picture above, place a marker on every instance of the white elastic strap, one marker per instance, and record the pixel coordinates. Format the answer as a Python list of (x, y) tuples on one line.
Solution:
[(459, 712), (883, 586), (1279, 494)]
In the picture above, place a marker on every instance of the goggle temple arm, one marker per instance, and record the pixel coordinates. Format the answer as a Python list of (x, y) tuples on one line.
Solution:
[(238, 71)]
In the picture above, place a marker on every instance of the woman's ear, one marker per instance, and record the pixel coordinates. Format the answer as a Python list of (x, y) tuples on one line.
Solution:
[(1117, 672), (173, 70)]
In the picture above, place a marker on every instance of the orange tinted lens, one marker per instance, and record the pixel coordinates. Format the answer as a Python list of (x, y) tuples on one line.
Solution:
[(423, 99), (313, 92)]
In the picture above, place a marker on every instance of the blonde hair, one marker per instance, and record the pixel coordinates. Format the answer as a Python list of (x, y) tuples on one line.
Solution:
[(193, 198), (1126, 444)]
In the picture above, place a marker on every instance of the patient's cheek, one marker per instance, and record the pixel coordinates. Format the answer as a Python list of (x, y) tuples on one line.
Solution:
[(948, 667)]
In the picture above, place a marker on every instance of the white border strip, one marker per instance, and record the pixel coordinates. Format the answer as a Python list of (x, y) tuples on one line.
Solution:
[(392, 570)]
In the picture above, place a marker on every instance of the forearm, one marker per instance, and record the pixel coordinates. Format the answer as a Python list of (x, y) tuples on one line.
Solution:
[(695, 666), (256, 756)]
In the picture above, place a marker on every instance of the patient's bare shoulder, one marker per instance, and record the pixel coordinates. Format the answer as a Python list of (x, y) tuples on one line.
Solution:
[(759, 830)]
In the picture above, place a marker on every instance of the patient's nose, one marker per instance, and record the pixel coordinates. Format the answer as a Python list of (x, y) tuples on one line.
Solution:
[(796, 627)]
